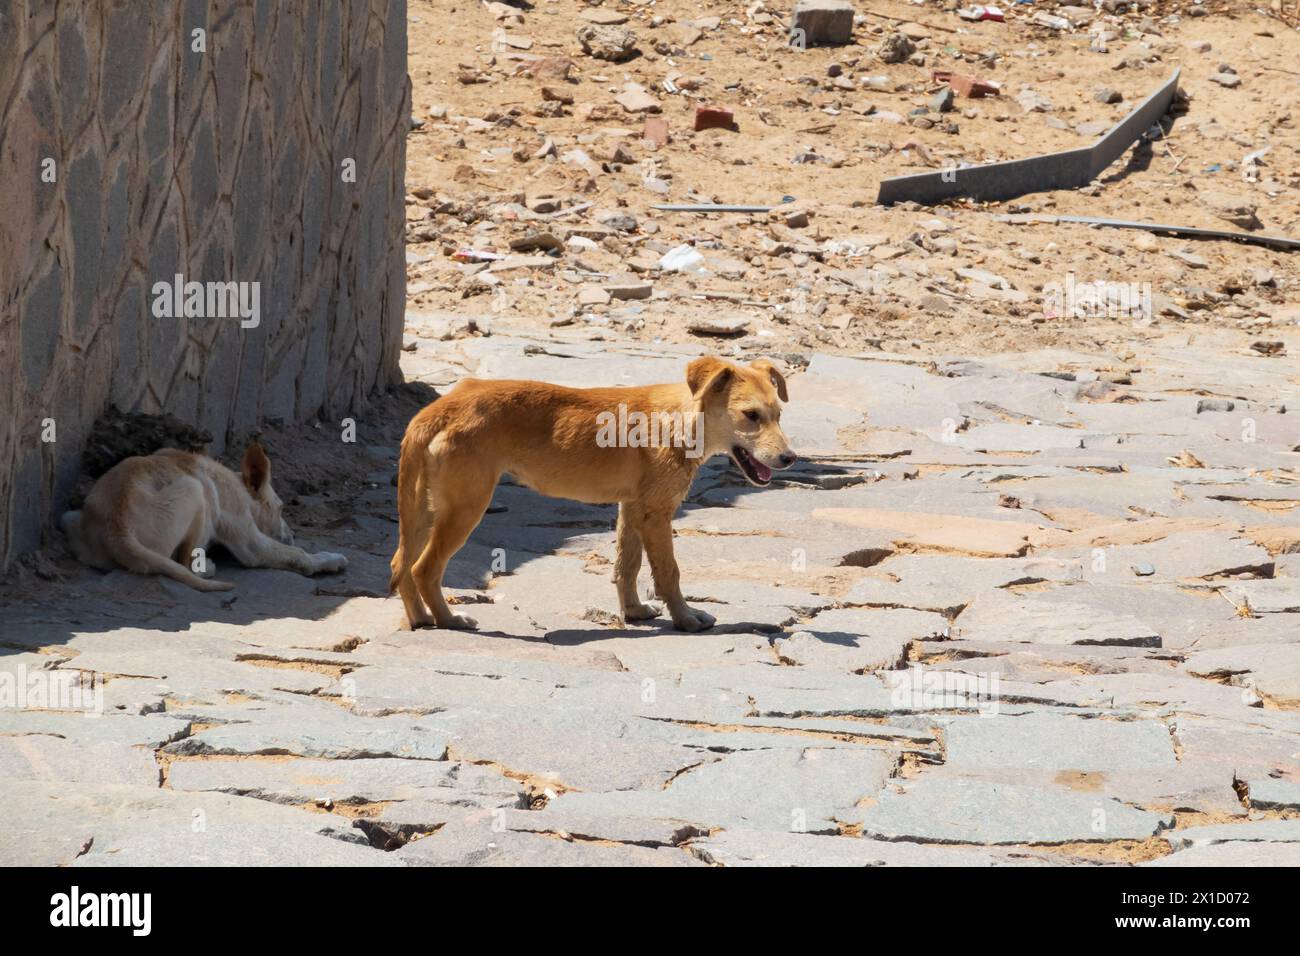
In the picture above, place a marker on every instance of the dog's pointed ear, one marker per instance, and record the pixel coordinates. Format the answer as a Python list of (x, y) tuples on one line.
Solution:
[(256, 467), (778, 380), (706, 374)]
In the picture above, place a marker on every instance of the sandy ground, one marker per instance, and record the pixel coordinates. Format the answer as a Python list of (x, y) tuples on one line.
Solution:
[(858, 275)]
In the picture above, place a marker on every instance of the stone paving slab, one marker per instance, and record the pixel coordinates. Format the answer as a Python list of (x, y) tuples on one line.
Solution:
[(1057, 742), (300, 781), (973, 811), (1269, 793), (761, 848), (776, 790), (117, 825), (984, 646)]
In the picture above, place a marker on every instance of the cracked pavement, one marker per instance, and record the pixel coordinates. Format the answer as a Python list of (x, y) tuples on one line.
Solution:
[(1025, 609)]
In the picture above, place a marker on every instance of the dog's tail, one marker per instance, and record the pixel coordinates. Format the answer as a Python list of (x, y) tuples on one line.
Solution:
[(134, 556)]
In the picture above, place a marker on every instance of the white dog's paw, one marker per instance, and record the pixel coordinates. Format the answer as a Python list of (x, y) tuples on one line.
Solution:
[(693, 620), (327, 562)]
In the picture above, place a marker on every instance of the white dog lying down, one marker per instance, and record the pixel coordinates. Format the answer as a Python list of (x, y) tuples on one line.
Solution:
[(152, 514)]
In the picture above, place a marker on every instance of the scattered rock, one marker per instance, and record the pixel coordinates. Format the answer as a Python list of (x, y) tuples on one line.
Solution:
[(821, 22), (895, 48), (604, 42), (719, 327)]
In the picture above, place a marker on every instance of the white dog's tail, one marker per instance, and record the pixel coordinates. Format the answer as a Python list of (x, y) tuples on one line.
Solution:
[(134, 556)]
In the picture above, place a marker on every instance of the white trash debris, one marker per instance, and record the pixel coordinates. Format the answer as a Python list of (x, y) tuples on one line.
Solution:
[(683, 258)]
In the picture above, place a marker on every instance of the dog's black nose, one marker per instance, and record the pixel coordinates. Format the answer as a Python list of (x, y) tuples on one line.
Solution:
[(788, 459)]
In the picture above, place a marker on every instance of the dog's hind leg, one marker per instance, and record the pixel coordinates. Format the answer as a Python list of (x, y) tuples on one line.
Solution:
[(459, 500), (194, 546), (412, 538), (627, 564), (134, 556), (414, 521)]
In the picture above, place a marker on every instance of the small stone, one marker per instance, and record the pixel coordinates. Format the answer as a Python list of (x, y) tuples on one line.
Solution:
[(1269, 348), (535, 241), (612, 43), (941, 102), (1189, 259), (637, 99), (1238, 210), (1227, 80), (895, 48), (1107, 95), (630, 290), (1031, 101), (722, 327), (607, 18), (821, 22), (1215, 405)]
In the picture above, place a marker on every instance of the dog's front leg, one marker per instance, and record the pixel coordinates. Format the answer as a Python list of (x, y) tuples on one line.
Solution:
[(253, 549), (627, 564), (657, 534)]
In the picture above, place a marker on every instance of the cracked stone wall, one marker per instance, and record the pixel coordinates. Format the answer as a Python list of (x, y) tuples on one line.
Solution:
[(254, 141)]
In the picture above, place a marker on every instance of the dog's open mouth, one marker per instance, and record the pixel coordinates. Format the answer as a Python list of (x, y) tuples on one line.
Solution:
[(753, 469)]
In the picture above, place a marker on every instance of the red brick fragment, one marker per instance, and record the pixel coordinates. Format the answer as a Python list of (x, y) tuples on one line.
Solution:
[(656, 132), (965, 85), (714, 117)]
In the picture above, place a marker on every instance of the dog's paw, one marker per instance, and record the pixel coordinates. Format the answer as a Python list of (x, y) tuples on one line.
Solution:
[(641, 612), (459, 622), (211, 584), (327, 562), (693, 620)]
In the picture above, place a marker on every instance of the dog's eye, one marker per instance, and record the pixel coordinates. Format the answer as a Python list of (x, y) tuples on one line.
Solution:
[(752, 415)]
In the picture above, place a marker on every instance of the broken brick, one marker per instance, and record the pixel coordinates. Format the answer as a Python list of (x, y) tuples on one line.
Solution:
[(656, 132), (965, 85), (714, 117)]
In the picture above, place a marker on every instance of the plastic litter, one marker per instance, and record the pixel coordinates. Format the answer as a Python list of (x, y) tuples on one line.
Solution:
[(683, 258)]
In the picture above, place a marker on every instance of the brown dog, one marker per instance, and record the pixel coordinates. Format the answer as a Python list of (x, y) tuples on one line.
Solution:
[(637, 447), (157, 514)]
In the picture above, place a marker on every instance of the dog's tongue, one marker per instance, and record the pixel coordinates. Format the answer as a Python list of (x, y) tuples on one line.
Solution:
[(764, 473)]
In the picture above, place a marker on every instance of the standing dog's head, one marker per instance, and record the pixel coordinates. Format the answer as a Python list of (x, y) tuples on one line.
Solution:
[(267, 507), (741, 410)]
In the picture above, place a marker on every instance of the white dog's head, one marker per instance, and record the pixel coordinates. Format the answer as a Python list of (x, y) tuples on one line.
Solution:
[(267, 507), (741, 410)]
